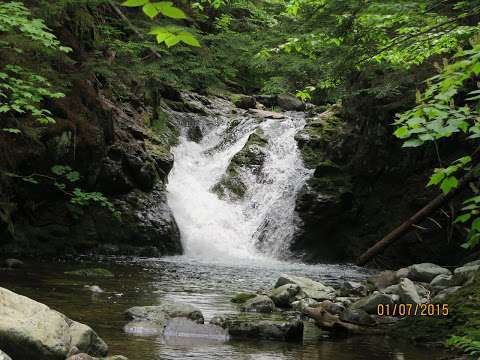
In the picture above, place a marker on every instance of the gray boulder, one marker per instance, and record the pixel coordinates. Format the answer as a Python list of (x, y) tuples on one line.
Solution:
[(408, 292), (442, 281), (4, 356), (370, 303), (426, 272), (402, 273), (442, 296), (259, 328), (188, 329), (312, 289), (31, 330), (357, 316), (284, 295), (351, 288), (166, 309), (382, 280), (260, 303), (245, 102), (290, 103)]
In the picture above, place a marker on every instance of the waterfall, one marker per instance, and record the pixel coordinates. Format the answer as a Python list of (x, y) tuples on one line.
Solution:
[(262, 223)]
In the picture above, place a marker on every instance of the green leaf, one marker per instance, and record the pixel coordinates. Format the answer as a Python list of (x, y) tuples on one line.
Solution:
[(172, 40), (135, 3), (463, 218), (436, 178), (167, 9), (448, 184), (150, 10), (188, 39), (401, 132), (412, 143), (12, 130)]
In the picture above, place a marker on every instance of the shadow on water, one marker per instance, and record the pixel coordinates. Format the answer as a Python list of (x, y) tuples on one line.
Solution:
[(207, 286)]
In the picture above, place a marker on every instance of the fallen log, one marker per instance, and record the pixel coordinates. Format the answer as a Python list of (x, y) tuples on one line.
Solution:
[(417, 217)]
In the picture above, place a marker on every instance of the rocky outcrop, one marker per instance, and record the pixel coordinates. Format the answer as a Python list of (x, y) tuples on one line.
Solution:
[(31, 330), (252, 157)]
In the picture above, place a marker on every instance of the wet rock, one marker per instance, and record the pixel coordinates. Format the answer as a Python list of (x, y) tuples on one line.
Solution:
[(253, 327), (442, 281), (426, 272), (260, 303), (86, 340), (383, 280), (346, 300), (312, 289), (168, 309), (370, 303), (91, 273), (245, 102), (357, 316), (4, 356), (264, 114), (284, 295), (185, 328), (112, 178), (290, 103), (31, 330), (300, 305), (13, 263), (442, 296), (408, 292), (331, 307), (351, 288)]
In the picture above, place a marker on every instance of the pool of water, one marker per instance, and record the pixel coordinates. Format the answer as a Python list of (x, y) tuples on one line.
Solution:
[(208, 286)]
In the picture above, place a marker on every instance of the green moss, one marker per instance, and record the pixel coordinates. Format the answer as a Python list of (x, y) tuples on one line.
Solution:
[(94, 272), (242, 297)]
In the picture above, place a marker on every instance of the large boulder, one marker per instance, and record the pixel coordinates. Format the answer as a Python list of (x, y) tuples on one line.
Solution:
[(382, 280), (462, 274), (426, 272), (312, 289), (284, 295), (290, 103), (245, 102), (260, 328), (260, 303), (357, 316), (442, 296), (31, 330), (370, 303)]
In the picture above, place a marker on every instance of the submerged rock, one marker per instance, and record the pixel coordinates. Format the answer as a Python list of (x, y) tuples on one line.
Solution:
[(259, 328), (31, 330), (185, 328), (426, 272), (312, 289), (94, 272), (260, 303)]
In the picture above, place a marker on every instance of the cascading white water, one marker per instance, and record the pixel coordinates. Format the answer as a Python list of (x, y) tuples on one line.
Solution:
[(259, 225)]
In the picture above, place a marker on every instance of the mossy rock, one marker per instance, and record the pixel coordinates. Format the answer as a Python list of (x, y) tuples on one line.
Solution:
[(463, 318), (240, 298), (93, 272), (251, 156)]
